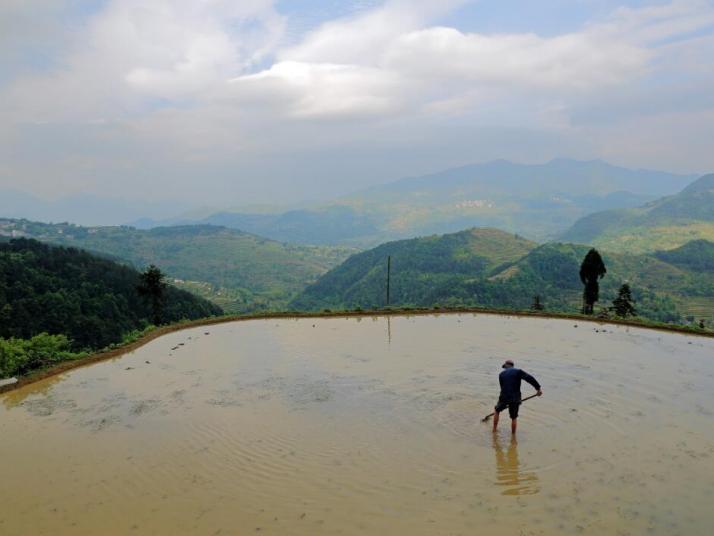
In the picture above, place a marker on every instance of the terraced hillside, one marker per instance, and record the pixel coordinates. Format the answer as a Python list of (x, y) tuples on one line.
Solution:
[(663, 224)]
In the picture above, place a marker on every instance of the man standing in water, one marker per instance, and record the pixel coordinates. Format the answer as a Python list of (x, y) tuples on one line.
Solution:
[(510, 397)]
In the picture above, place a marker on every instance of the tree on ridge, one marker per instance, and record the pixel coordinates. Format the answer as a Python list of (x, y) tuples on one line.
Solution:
[(153, 287), (537, 304), (623, 305), (592, 270)]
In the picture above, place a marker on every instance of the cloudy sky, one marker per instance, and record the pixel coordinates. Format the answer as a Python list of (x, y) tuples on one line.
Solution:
[(234, 102)]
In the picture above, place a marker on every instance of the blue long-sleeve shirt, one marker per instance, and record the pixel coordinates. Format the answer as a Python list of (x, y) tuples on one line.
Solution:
[(510, 380)]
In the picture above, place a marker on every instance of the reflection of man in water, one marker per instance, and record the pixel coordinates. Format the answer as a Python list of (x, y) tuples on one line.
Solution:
[(510, 380), (508, 471)]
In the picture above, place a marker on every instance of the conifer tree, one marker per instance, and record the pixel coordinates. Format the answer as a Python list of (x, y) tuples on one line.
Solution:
[(592, 269), (153, 287), (623, 305), (537, 303)]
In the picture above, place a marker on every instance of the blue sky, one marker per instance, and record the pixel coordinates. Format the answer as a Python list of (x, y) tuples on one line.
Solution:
[(548, 17), (226, 103)]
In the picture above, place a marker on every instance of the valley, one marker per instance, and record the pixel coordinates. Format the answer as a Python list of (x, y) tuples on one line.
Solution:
[(240, 271), (663, 251)]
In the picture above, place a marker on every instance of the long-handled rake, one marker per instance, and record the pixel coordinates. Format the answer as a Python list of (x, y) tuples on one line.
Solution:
[(487, 417)]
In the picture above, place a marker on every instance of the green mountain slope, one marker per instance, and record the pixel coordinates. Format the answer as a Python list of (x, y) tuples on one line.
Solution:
[(506, 272), (418, 265), (697, 255), (240, 271), (334, 224), (552, 271), (91, 300), (663, 224)]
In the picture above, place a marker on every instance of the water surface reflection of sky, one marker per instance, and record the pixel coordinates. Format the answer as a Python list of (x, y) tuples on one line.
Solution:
[(509, 474), (360, 426)]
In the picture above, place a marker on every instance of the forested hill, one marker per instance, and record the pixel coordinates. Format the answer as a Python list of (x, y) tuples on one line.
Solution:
[(697, 255), (666, 223), (506, 271), (421, 265), (92, 300), (239, 271)]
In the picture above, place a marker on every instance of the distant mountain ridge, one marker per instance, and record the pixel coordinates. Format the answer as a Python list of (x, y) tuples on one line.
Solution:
[(594, 177), (538, 201), (665, 223), (83, 209)]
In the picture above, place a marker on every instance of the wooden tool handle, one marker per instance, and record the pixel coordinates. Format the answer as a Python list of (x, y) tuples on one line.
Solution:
[(487, 417)]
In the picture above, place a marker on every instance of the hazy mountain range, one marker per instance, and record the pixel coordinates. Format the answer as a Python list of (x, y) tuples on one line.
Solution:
[(242, 271), (83, 209), (215, 257), (538, 201)]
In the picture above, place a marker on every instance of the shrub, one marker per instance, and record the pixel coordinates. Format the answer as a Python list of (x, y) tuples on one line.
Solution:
[(19, 356)]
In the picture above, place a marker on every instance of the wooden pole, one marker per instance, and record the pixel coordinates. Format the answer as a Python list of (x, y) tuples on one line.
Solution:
[(389, 275), (487, 417)]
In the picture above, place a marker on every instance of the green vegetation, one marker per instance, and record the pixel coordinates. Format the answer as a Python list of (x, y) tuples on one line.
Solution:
[(663, 224), (153, 287), (261, 273), (488, 268), (623, 305), (697, 255), (334, 224), (89, 302), (231, 300), (420, 268), (537, 304), (19, 356)]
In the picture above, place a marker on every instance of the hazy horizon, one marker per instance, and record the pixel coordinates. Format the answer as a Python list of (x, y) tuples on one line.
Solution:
[(98, 210), (227, 104)]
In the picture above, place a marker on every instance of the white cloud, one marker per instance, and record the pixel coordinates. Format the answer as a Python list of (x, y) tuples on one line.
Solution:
[(362, 38), (320, 90), (181, 86), (652, 24), (133, 50), (390, 60), (386, 60), (560, 63)]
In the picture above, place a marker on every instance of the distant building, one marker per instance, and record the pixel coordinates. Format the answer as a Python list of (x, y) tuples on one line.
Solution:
[(475, 203)]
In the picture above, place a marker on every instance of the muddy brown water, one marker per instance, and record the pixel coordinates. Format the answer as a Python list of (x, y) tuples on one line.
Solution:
[(368, 426)]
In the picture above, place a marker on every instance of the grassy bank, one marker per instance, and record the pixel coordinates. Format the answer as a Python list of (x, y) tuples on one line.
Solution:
[(137, 339)]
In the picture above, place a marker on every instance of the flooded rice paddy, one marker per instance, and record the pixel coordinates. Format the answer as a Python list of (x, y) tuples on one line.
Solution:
[(368, 426)]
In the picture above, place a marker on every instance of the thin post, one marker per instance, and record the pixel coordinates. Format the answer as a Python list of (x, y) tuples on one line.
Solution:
[(389, 274)]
